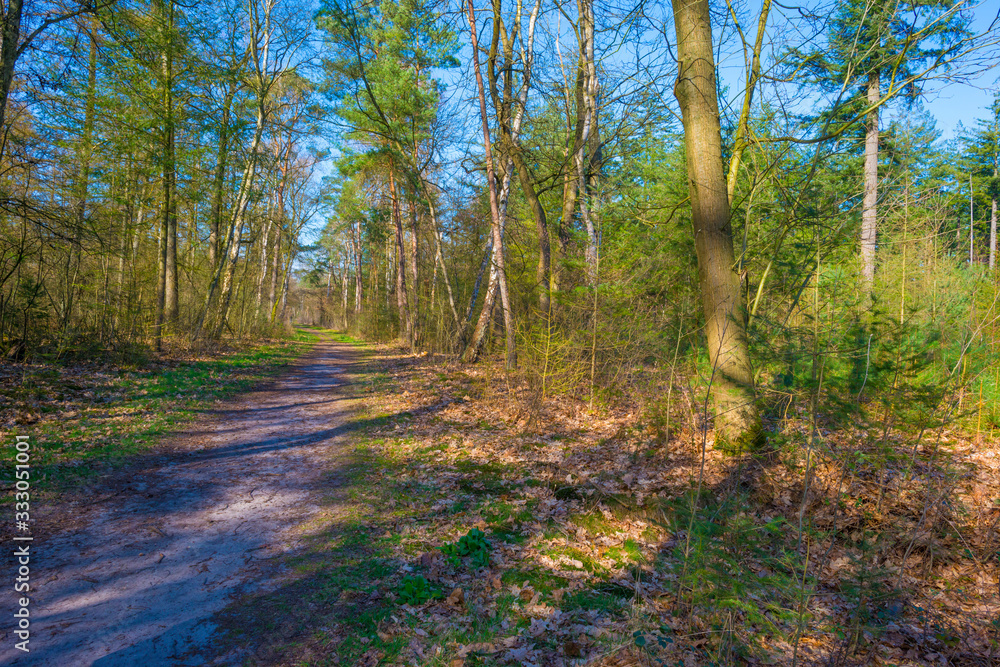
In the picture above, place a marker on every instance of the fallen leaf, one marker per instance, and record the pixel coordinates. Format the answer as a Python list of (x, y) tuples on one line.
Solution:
[(457, 597)]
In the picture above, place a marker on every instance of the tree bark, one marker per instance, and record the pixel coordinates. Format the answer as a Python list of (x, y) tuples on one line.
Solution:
[(587, 97), (993, 223), (358, 278), (737, 420), (414, 301), (869, 206), (498, 249), (220, 180), (402, 300), (82, 186), (972, 220), (344, 288), (169, 168), (439, 255), (9, 37)]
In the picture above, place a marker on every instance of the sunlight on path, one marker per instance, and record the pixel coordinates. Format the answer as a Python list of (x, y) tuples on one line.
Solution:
[(181, 534)]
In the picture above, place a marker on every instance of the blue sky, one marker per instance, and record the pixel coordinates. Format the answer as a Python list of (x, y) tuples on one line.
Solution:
[(949, 103)]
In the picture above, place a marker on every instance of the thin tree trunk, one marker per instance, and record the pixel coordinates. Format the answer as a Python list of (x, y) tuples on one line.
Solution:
[(869, 211), (9, 38), (439, 255), (262, 277), (169, 169), (284, 286), (478, 339), (344, 288), (358, 278), (743, 125), (993, 227), (498, 250), (83, 181), (161, 285), (972, 247), (588, 98), (402, 302), (220, 179), (272, 288), (737, 420), (414, 301)]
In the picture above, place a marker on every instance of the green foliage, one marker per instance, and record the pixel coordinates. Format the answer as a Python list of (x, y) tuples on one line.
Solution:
[(415, 590), (711, 562), (473, 546)]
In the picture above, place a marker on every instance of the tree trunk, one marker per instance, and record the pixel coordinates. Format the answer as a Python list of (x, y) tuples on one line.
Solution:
[(737, 421), (439, 255), (402, 302), (414, 301), (993, 226), (82, 194), (972, 246), (358, 278), (869, 206), (587, 97), (220, 180), (264, 264), (498, 251), (161, 286), (272, 289), (9, 37), (169, 169), (344, 285), (478, 339)]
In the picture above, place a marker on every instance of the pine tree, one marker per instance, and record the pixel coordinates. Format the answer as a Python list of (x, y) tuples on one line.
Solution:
[(876, 51)]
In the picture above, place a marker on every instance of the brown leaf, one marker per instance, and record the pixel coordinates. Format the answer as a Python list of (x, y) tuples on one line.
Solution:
[(457, 597), (370, 658), (572, 650)]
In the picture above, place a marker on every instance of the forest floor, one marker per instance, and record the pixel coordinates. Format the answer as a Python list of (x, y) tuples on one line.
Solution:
[(376, 508)]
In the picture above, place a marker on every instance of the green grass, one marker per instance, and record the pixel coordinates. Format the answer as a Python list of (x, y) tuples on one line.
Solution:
[(611, 599), (499, 513), (594, 523), (541, 580)]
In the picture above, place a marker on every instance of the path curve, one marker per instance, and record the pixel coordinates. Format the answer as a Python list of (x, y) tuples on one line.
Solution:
[(173, 540)]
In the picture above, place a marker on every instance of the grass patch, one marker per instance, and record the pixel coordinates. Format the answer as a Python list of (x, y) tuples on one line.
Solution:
[(500, 513), (542, 581), (608, 598), (594, 523)]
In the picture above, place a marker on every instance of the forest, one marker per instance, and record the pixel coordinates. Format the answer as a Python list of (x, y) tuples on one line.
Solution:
[(696, 300)]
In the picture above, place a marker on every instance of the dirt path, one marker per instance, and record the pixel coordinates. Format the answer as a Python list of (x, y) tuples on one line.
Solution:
[(155, 551)]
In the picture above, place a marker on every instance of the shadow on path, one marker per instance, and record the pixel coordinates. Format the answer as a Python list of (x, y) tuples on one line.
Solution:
[(139, 571)]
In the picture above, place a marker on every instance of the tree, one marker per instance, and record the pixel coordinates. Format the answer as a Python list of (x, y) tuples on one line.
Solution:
[(983, 156), (876, 51), (737, 419), (378, 73), (499, 265)]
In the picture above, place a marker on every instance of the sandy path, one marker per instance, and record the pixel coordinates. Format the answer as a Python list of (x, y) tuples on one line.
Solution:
[(158, 549)]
